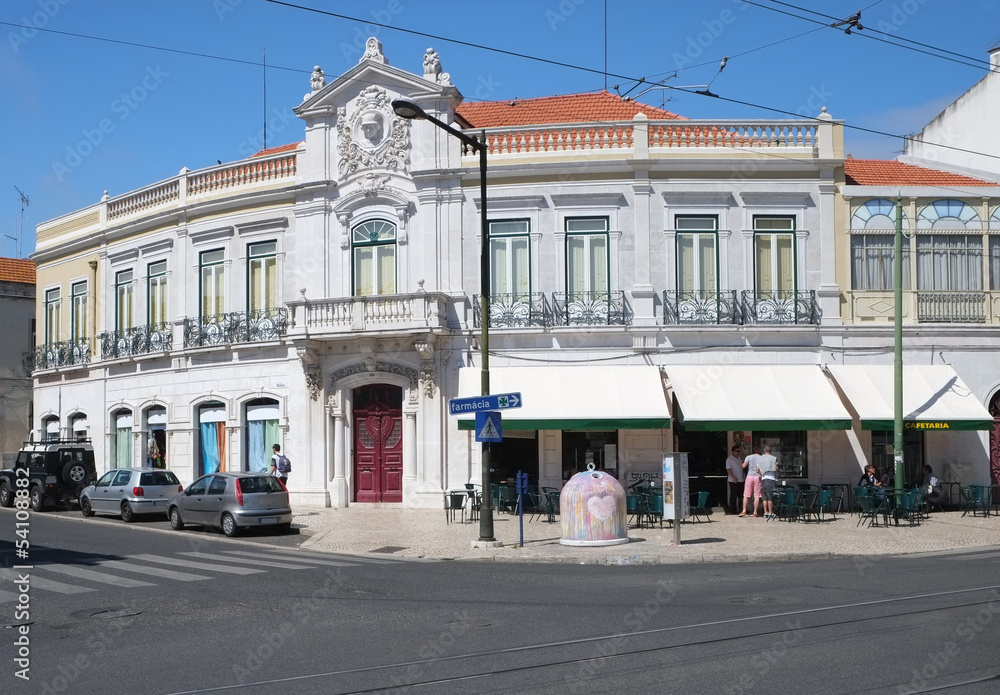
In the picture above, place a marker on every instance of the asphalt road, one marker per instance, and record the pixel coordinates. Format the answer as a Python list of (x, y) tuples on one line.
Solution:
[(295, 622)]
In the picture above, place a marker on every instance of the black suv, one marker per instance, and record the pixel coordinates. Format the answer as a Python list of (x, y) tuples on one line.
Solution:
[(56, 472)]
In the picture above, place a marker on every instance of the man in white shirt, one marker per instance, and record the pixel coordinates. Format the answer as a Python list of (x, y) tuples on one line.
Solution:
[(768, 467), (734, 469)]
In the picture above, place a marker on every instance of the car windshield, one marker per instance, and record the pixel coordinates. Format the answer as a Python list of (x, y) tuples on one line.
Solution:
[(158, 478), (260, 483)]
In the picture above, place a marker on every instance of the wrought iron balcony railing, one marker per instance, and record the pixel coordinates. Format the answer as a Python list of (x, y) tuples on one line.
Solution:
[(62, 354), (780, 306), (236, 327), (513, 310), (700, 307), (951, 307), (138, 340), (590, 308)]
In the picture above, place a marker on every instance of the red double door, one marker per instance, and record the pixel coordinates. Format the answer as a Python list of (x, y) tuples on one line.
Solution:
[(378, 446)]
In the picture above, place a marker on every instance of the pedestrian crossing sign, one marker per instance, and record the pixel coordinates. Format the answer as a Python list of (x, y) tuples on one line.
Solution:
[(488, 426)]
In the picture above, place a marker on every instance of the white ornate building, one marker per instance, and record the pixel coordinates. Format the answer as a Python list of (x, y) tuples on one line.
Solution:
[(657, 284)]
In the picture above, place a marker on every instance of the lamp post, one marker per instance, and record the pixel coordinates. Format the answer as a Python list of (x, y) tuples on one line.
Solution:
[(897, 424), (409, 110)]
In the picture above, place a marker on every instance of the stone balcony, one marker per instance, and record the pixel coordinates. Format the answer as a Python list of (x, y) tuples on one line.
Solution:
[(923, 306)]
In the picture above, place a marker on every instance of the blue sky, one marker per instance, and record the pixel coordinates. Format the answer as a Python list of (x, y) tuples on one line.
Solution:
[(79, 116)]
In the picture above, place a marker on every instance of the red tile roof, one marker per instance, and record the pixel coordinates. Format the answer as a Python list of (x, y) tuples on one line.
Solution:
[(275, 150), (880, 172), (17, 270), (568, 108)]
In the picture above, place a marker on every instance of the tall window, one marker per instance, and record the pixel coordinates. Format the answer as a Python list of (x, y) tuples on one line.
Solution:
[(53, 317), (123, 300), (949, 262), (374, 258), (697, 260), (872, 258), (263, 278), (510, 264), (78, 312), (587, 261), (774, 254), (213, 276), (994, 263), (156, 294)]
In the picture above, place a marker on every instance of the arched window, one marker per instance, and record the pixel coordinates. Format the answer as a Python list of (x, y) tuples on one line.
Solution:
[(374, 245), (262, 433), (879, 213), (122, 422), (50, 429), (948, 214), (995, 218)]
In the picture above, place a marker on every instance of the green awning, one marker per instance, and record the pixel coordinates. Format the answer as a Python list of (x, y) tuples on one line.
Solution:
[(781, 398), (574, 397)]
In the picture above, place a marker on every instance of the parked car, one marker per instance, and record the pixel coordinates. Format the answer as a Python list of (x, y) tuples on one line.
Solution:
[(56, 471), (127, 492), (232, 501)]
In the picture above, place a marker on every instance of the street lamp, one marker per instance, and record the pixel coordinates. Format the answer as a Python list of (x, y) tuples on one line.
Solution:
[(410, 111)]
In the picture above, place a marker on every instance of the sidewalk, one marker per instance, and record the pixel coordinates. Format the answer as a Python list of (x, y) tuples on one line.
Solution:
[(418, 533)]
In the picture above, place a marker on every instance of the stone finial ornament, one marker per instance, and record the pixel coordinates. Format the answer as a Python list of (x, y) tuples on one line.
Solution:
[(373, 52), (318, 79)]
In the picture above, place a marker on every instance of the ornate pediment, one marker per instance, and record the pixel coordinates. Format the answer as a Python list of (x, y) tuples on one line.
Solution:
[(372, 365), (371, 135)]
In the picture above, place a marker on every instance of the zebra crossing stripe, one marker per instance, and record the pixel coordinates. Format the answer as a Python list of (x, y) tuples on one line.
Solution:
[(154, 571), (47, 584), (7, 596), (354, 559), (289, 558), (195, 565), (262, 563), (91, 575)]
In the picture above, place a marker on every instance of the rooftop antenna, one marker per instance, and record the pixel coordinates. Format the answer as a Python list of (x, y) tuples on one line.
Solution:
[(605, 45), (25, 202), (265, 98)]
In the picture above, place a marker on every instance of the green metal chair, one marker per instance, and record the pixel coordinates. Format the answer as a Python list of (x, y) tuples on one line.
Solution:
[(699, 507)]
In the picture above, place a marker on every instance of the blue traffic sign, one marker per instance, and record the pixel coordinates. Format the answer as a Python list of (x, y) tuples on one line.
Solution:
[(488, 426), (496, 401)]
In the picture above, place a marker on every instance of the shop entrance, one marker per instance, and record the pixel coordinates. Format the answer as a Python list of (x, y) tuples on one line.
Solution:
[(707, 454), (378, 443)]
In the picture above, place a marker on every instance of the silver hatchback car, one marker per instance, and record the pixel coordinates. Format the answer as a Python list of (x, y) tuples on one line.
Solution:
[(128, 492), (232, 501)]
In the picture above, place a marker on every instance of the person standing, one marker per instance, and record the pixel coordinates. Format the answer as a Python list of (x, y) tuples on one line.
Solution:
[(734, 469), (768, 467), (751, 484), (280, 465)]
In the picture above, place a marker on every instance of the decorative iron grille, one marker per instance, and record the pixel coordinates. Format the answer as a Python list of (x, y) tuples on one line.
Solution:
[(62, 354), (139, 340), (780, 306), (700, 307), (590, 308), (236, 327), (513, 310), (951, 307)]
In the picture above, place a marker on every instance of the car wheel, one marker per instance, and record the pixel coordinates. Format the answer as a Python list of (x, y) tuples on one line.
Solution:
[(176, 523), (6, 495), (74, 473), (128, 515), (37, 499), (85, 507), (229, 526)]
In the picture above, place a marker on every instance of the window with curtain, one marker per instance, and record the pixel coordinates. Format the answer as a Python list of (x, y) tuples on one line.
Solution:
[(774, 255), (212, 431), (995, 218), (262, 433), (879, 213), (948, 214), (78, 312), (872, 258), (950, 262), (374, 245), (994, 263), (156, 309), (510, 260), (213, 289), (587, 262), (697, 260), (53, 316), (123, 439), (262, 280), (123, 300)]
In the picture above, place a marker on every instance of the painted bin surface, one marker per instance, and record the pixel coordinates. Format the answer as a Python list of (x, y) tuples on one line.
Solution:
[(592, 507)]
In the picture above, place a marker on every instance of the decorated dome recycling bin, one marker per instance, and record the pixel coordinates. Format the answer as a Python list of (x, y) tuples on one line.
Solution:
[(592, 507)]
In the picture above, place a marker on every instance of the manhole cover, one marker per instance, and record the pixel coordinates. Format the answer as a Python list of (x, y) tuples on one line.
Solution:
[(388, 549), (752, 599), (115, 613)]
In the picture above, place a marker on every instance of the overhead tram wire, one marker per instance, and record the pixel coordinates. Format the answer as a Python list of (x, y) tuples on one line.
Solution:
[(868, 28), (873, 38)]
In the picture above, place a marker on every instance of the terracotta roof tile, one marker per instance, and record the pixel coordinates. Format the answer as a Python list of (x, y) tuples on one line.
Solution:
[(568, 108), (275, 150), (17, 270), (880, 172)]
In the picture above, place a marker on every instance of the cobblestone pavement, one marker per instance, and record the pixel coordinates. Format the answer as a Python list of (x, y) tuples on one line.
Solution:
[(414, 533)]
